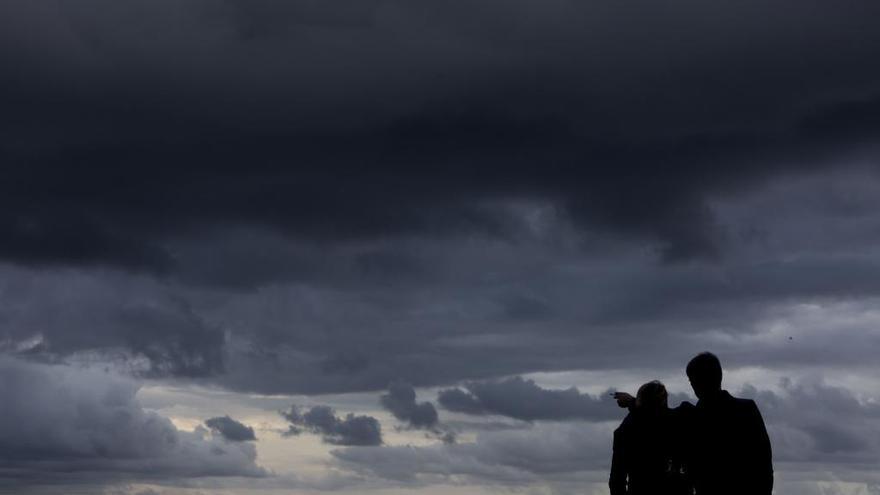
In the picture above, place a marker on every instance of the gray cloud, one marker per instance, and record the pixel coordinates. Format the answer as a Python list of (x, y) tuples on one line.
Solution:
[(352, 332), (248, 240), (270, 18), (63, 423), (481, 113), (501, 457), (322, 420), (281, 197), (401, 401), (812, 421), (231, 429), (458, 400), (523, 399), (59, 313)]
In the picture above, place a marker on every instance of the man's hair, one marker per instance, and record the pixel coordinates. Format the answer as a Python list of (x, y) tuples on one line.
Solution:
[(705, 368), (652, 395)]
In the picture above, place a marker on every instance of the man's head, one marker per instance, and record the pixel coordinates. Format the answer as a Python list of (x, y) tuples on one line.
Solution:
[(652, 396), (704, 372)]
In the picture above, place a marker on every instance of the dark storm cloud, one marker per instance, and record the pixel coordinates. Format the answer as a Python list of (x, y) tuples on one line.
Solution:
[(58, 314), (401, 401), (458, 400), (328, 209), (526, 307), (66, 238), (261, 18), (63, 422), (314, 121), (313, 197), (322, 420), (523, 399), (231, 429)]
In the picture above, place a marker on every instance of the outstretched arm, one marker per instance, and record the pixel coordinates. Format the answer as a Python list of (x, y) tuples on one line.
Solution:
[(624, 400)]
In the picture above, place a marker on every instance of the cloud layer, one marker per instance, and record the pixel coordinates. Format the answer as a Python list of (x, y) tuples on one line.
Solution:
[(415, 209), (557, 103), (811, 423), (66, 424), (523, 399), (302, 197)]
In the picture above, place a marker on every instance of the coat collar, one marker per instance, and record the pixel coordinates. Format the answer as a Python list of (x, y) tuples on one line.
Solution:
[(716, 398)]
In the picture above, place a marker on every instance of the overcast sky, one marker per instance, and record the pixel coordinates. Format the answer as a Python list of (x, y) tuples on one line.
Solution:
[(399, 246)]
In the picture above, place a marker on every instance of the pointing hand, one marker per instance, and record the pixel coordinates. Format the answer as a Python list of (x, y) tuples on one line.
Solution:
[(624, 399)]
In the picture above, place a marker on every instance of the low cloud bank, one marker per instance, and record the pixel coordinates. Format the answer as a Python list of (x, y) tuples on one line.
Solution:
[(64, 421), (523, 399)]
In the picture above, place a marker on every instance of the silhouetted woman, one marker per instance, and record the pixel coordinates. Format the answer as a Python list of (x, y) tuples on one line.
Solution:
[(647, 457)]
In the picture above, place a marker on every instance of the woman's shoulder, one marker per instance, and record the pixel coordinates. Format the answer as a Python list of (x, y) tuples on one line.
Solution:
[(627, 423)]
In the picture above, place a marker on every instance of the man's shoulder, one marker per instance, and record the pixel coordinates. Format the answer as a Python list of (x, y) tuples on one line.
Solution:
[(742, 401), (743, 408), (730, 400), (727, 406)]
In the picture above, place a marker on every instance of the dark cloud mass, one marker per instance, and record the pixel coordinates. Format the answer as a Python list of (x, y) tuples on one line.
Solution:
[(139, 321), (301, 151), (322, 420), (276, 197), (120, 142), (231, 429), (401, 401), (523, 399)]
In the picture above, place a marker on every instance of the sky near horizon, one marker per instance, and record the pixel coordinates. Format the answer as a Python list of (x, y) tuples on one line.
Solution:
[(410, 246)]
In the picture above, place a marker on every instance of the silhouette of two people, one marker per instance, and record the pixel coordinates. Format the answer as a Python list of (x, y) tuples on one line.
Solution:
[(718, 447)]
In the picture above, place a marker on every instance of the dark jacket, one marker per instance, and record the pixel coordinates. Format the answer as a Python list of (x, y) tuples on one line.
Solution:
[(648, 454), (729, 451)]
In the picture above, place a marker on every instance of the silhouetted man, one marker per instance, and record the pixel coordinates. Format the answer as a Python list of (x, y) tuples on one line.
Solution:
[(729, 450)]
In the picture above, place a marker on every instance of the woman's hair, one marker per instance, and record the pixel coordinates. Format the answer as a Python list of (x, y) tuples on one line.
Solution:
[(652, 395)]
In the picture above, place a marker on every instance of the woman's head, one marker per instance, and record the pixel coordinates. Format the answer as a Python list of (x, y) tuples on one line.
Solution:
[(652, 395)]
